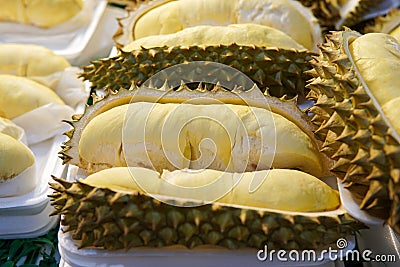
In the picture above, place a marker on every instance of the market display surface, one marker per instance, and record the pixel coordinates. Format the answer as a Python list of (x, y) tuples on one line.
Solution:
[(215, 132)]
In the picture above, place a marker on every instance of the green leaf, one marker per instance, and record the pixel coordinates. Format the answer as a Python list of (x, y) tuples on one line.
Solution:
[(15, 246), (8, 264)]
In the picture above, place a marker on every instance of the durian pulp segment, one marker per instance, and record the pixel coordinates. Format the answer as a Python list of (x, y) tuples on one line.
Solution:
[(172, 136), (377, 57), (20, 95), (41, 13), (29, 60), (15, 157), (392, 111), (35, 62), (303, 192), (288, 16), (241, 34)]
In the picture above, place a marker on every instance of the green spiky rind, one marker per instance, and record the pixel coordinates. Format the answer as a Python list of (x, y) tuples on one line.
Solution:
[(386, 23), (358, 12), (326, 12), (278, 71), (352, 129), (166, 93), (110, 220)]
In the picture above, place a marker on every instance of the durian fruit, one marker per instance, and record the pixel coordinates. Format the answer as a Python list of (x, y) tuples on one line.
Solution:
[(32, 61), (357, 94), (168, 17), (241, 34), (20, 95), (15, 157), (110, 210), (334, 14), (390, 24), (326, 11), (40, 13), (278, 71), (94, 145)]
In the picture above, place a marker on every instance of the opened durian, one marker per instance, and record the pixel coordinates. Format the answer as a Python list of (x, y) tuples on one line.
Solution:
[(40, 13), (110, 210), (95, 146), (20, 95), (168, 17), (357, 95), (339, 13), (126, 207), (241, 34), (32, 61), (276, 63), (390, 24)]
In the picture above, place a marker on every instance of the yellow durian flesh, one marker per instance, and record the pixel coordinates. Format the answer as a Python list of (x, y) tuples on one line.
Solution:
[(302, 192), (396, 33), (377, 57), (41, 13), (30, 60), (169, 136), (288, 16), (15, 157), (20, 95), (241, 34)]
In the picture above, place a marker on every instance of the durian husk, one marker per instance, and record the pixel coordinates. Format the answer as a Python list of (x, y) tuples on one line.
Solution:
[(389, 23), (356, 13), (166, 94), (327, 12), (103, 218), (354, 129), (279, 72)]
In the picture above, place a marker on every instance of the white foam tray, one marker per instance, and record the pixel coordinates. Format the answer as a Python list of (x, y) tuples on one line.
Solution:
[(68, 43)]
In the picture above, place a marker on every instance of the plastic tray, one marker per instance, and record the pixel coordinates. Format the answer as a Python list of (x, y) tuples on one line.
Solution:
[(14, 227), (169, 257), (68, 43), (48, 163)]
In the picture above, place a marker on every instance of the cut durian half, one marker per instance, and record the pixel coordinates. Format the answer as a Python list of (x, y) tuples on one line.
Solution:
[(110, 210), (293, 137), (280, 72), (165, 17), (355, 89)]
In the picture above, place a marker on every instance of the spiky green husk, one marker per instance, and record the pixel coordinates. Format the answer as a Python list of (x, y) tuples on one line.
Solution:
[(326, 12), (385, 23), (330, 13), (353, 131), (280, 72), (110, 220), (356, 15)]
